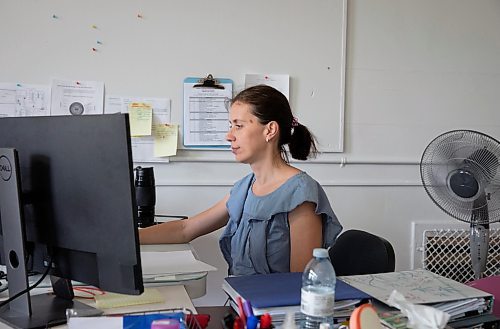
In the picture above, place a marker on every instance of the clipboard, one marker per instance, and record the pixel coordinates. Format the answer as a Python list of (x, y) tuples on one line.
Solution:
[(206, 116)]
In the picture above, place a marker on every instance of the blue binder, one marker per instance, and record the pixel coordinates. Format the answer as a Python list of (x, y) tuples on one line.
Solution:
[(279, 289)]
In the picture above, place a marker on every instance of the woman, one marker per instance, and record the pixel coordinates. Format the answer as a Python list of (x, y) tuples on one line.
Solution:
[(276, 215)]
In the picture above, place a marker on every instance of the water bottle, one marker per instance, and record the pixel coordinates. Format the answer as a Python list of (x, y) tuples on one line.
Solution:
[(318, 290)]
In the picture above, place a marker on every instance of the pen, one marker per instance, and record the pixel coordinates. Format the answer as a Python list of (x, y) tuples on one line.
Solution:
[(241, 310), (252, 322), (247, 307)]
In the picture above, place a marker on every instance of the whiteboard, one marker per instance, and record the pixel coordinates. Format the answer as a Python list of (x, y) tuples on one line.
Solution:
[(147, 48)]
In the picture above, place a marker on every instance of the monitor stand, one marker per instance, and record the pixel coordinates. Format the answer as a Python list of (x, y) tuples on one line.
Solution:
[(38, 311)]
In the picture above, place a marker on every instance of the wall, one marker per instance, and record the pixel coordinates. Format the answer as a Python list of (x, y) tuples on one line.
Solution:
[(415, 69), (147, 48)]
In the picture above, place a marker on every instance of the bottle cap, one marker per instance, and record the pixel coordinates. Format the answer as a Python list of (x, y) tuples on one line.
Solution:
[(320, 253)]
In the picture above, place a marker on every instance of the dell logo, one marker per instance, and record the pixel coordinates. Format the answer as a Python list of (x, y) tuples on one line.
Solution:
[(5, 168)]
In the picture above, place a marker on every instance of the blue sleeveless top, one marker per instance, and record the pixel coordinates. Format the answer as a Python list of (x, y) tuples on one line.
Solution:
[(256, 239)]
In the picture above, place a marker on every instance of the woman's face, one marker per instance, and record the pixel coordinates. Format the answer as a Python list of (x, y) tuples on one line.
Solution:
[(246, 134)]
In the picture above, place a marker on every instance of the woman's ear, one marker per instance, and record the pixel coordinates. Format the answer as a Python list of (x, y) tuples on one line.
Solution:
[(271, 131)]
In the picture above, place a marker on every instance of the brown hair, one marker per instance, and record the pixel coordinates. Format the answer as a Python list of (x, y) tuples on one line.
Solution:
[(268, 104)]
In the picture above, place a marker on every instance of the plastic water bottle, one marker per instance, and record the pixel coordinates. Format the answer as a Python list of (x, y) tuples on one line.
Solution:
[(318, 290)]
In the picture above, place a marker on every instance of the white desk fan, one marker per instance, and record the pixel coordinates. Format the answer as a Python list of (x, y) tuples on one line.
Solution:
[(460, 172)]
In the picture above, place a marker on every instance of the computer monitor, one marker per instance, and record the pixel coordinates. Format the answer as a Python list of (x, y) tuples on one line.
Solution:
[(72, 186)]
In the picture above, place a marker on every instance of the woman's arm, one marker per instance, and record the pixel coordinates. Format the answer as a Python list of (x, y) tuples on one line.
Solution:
[(306, 233), (183, 231)]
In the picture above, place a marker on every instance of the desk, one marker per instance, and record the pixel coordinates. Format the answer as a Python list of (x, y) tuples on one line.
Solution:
[(216, 313), (175, 297), (178, 290)]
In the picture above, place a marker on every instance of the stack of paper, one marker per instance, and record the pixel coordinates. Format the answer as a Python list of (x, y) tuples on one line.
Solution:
[(459, 308), (166, 265), (173, 296), (424, 287), (343, 310), (279, 293)]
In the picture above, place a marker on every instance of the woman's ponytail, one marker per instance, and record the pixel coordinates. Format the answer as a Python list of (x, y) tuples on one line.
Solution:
[(302, 143)]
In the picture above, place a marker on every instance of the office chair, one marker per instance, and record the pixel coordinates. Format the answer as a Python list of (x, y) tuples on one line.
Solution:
[(490, 284), (358, 252)]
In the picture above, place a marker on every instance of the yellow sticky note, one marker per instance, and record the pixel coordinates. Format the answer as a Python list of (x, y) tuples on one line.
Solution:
[(165, 140), (141, 119), (111, 300)]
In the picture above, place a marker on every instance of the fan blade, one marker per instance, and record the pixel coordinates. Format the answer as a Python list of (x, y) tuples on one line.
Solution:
[(484, 164), (460, 171)]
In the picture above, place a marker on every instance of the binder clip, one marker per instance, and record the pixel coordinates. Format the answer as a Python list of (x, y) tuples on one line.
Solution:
[(208, 82)]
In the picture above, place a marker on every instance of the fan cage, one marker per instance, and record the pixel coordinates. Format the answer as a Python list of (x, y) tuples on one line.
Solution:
[(447, 252), (474, 153)]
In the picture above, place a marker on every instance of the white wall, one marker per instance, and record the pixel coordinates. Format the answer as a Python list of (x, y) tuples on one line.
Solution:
[(415, 69), (176, 39)]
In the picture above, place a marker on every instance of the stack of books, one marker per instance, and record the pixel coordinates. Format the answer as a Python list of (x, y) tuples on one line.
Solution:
[(461, 302), (279, 294)]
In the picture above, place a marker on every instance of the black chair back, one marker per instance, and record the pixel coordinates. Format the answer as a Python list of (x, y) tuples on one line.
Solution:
[(358, 252)]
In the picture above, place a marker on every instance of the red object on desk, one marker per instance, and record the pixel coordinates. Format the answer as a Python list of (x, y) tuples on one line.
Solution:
[(241, 310), (364, 317), (265, 321), (491, 285), (238, 323), (202, 320)]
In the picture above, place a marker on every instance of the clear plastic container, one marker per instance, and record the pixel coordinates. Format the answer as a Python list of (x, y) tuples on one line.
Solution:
[(318, 290)]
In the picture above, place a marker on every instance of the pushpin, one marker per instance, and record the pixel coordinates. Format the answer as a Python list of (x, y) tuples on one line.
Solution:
[(94, 26), (99, 42), (78, 82), (19, 85), (139, 16), (94, 49), (55, 16)]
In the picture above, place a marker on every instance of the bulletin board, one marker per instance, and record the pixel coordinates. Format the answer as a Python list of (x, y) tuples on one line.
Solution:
[(147, 48)]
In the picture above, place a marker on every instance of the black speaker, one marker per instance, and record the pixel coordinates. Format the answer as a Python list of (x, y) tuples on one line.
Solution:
[(145, 193)]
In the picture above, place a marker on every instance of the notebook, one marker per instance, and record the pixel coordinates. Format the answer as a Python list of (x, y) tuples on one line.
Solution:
[(424, 287), (280, 292), (418, 286), (112, 300)]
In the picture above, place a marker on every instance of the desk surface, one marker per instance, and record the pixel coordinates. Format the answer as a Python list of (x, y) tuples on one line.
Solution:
[(175, 297), (178, 291), (216, 313)]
